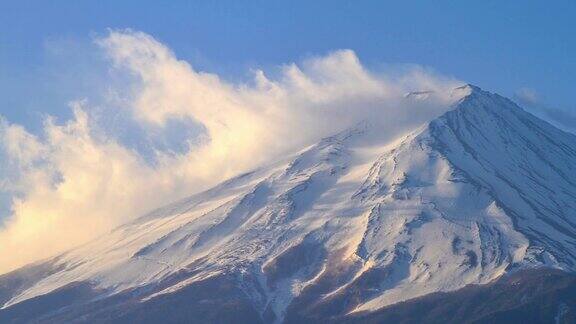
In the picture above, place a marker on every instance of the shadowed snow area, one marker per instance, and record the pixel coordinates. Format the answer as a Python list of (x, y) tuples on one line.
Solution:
[(349, 225)]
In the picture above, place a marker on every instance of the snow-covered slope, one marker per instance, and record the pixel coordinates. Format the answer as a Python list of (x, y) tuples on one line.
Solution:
[(352, 223)]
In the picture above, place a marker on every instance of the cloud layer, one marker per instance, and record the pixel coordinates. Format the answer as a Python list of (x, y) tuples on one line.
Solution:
[(79, 178)]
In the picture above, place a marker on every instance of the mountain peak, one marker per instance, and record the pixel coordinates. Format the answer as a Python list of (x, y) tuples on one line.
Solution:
[(457, 94), (351, 223), (466, 90), (469, 86), (470, 99)]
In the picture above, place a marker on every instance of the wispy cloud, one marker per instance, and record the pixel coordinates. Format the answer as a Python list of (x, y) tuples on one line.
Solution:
[(530, 99), (527, 96), (79, 178)]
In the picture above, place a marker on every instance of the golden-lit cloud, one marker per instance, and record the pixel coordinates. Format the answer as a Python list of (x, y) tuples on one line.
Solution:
[(77, 180)]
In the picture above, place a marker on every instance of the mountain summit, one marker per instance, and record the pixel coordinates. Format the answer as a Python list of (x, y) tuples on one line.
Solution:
[(344, 230)]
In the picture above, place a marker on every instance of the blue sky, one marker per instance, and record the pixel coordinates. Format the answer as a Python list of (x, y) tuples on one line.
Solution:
[(504, 46)]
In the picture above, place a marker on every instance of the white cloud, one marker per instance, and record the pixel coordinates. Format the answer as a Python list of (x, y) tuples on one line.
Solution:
[(527, 96), (561, 118), (79, 179)]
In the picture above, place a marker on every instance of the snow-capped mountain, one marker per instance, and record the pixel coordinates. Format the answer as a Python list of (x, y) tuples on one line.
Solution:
[(347, 227)]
